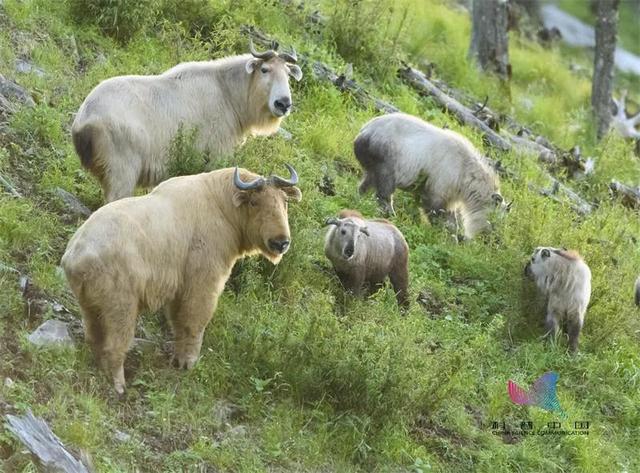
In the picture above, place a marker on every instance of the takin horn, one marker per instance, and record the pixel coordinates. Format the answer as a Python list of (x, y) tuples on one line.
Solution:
[(265, 55), (245, 186), (291, 57), (277, 181)]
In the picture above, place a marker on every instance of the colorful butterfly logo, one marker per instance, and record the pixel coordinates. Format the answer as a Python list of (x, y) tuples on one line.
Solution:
[(542, 393)]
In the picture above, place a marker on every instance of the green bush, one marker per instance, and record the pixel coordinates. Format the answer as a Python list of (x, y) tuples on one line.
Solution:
[(120, 19), (196, 16), (366, 31), (184, 157)]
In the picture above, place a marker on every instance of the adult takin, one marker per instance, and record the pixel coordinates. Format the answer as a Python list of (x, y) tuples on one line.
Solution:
[(172, 248), (564, 279), (365, 252), (395, 150), (123, 130)]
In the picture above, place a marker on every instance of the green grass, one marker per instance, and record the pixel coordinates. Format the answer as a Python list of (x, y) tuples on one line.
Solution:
[(322, 382)]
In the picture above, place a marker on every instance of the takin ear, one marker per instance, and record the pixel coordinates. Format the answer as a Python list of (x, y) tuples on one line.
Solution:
[(365, 230), (497, 198), (293, 193), (545, 253), (240, 198), (252, 64), (295, 72)]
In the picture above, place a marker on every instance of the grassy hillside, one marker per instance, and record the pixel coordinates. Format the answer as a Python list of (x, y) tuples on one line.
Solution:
[(294, 376)]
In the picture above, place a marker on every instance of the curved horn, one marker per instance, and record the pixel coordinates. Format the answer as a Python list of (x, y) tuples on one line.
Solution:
[(245, 186), (280, 182), (331, 221), (289, 57), (265, 55)]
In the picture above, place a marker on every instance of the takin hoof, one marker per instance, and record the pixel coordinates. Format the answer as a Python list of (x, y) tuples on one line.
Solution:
[(184, 362)]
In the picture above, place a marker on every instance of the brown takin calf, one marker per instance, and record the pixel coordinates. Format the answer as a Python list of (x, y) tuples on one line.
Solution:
[(174, 247), (364, 252), (565, 280)]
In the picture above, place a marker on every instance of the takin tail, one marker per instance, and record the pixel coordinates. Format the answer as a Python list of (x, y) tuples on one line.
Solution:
[(637, 292), (83, 141)]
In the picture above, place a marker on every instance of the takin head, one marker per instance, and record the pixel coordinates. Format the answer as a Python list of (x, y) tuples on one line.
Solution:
[(343, 241), (265, 202), (270, 79)]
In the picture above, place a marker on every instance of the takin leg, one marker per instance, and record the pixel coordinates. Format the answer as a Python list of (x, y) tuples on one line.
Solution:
[(110, 332), (574, 329), (385, 186), (353, 282), (118, 185), (367, 182), (189, 317), (399, 277), (551, 324)]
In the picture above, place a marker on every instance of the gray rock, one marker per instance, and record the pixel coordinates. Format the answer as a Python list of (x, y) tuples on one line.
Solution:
[(224, 411), (51, 332), (12, 92), (25, 67), (8, 382), (142, 345), (121, 437), (285, 134), (72, 202)]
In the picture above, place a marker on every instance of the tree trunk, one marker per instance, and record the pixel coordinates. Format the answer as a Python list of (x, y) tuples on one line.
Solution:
[(489, 38), (602, 85)]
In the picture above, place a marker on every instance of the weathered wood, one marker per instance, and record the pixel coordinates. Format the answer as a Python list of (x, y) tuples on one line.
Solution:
[(12, 190), (322, 71), (47, 449), (630, 196), (419, 81)]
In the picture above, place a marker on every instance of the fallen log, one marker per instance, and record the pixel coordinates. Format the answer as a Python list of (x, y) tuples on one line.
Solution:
[(12, 190), (344, 84), (424, 86), (630, 196), (43, 444)]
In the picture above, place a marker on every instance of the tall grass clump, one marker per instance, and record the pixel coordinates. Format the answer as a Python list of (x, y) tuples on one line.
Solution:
[(184, 156), (367, 33), (120, 19)]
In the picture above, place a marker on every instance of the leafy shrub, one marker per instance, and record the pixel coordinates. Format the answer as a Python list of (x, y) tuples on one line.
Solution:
[(184, 157), (198, 17), (120, 19), (367, 32)]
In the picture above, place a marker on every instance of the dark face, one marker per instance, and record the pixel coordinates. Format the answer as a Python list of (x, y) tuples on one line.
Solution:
[(267, 218), (538, 259), (346, 236)]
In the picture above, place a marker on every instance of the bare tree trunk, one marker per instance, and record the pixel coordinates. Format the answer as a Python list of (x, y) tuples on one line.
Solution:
[(602, 85), (489, 38)]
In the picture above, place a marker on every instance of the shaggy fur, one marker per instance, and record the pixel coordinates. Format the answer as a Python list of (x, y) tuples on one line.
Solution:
[(565, 279), (364, 252), (396, 149), (174, 247), (123, 130)]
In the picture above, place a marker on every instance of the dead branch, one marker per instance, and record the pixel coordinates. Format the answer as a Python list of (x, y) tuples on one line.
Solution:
[(630, 196)]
